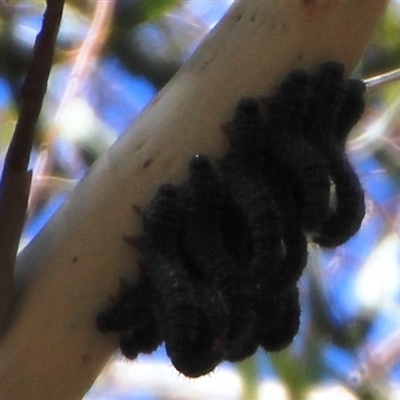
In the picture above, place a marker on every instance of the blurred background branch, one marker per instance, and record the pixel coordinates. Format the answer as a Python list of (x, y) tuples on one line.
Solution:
[(16, 179)]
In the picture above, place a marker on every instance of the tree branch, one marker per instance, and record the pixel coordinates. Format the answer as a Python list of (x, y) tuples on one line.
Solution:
[(15, 180), (67, 274)]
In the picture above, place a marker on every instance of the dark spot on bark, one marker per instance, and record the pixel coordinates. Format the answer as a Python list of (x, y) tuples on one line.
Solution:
[(75, 259), (137, 209), (132, 240), (238, 17), (148, 162)]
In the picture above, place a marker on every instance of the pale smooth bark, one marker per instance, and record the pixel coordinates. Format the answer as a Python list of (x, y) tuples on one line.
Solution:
[(51, 349)]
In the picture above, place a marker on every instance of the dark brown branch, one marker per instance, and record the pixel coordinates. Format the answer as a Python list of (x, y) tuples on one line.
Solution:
[(15, 180)]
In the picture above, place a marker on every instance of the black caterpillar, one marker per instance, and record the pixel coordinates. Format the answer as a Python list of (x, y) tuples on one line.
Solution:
[(224, 251)]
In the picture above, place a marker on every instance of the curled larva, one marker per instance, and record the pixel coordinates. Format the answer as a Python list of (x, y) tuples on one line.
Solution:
[(339, 104), (285, 142), (279, 320), (206, 199)]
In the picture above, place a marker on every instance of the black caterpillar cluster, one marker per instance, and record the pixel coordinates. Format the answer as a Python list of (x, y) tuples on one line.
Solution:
[(224, 251)]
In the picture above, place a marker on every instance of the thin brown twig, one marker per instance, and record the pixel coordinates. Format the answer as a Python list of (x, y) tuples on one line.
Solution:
[(88, 53), (83, 66), (382, 78), (15, 180)]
